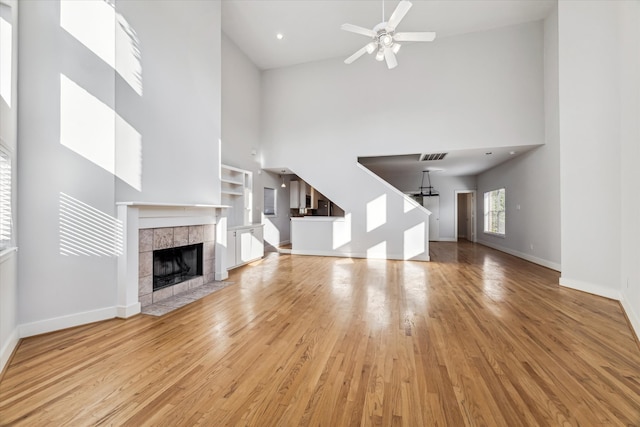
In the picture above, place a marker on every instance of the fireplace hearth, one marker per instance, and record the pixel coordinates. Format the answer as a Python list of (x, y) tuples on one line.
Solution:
[(176, 265)]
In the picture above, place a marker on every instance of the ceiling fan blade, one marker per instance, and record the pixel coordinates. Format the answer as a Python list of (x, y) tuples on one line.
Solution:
[(427, 36), (358, 30), (356, 55), (390, 57), (398, 14)]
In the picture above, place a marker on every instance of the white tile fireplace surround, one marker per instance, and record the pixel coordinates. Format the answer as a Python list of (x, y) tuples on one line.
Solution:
[(151, 226)]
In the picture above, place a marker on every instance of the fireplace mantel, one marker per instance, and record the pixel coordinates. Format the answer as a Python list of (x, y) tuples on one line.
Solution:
[(171, 205), (136, 215)]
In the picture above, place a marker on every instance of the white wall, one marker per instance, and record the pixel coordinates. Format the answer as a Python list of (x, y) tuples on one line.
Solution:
[(629, 27), (178, 113), (446, 187), (52, 286), (277, 228), (128, 115), (241, 117), (590, 149), (472, 91), (8, 134), (531, 180), (241, 147)]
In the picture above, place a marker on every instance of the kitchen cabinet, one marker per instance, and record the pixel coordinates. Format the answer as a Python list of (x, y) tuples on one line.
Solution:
[(294, 195), (244, 244), (302, 195)]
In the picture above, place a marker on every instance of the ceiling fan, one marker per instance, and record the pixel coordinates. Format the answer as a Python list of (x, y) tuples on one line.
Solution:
[(384, 38), (425, 190)]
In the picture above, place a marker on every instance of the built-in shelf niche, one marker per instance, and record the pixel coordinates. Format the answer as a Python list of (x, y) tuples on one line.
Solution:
[(237, 192)]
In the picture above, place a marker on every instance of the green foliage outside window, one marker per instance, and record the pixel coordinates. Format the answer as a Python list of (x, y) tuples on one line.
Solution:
[(495, 212)]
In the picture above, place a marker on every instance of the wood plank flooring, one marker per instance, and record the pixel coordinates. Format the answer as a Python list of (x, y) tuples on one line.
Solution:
[(474, 338)]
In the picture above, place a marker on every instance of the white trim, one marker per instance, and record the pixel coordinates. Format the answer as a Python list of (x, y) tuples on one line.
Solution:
[(64, 322), (591, 288), (125, 312), (634, 317), (221, 275), (543, 262), (397, 257), (8, 348), (446, 239), (171, 205)]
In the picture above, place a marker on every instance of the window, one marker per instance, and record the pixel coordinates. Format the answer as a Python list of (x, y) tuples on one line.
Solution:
[(6, 222), (494, 212), (269, 201)]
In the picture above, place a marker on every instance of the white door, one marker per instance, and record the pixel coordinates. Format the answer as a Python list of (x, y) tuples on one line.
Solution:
[(432, 203)]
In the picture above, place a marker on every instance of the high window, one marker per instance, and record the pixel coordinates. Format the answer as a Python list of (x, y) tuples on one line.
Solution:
[(494, 212)]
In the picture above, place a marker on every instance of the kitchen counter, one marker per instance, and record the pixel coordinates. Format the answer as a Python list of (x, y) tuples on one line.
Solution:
[(321, 235), (317, 218)]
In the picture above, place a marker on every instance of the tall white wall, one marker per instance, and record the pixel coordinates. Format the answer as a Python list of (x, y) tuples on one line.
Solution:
[(8, 133), (531, 180), (241, 146), (471, 91), (629, 31), (590, 149), (51, 285), (178, 114), (241, 116), (128, 115)]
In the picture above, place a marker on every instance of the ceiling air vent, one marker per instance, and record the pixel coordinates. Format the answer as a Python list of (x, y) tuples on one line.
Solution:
[(434, 156)]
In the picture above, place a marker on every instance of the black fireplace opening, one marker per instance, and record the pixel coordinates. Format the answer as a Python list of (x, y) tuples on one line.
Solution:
[(175, 265)]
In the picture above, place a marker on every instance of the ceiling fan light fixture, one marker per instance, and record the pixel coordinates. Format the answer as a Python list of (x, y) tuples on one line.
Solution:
[(384, 36), (386, 40), (371, 47)]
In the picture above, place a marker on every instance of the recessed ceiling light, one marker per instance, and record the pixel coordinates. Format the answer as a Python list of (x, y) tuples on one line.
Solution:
[(488, 153), (279, 36), (512, 153)]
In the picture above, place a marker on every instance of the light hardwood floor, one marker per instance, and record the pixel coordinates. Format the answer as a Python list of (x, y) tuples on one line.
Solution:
[(476, 337)]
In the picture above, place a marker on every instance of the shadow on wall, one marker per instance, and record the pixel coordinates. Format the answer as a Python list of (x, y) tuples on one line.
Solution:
[(89, 124)]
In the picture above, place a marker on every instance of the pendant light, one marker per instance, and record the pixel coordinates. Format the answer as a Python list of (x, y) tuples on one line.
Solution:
[(283, 184)]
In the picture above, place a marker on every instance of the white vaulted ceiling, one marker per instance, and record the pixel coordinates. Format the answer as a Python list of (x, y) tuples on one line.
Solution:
[(311, 28)]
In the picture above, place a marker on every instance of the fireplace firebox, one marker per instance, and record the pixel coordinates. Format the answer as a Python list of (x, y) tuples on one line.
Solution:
[(175, 265)]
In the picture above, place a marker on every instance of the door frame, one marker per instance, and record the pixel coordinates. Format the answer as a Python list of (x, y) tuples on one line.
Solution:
[(474, 216)]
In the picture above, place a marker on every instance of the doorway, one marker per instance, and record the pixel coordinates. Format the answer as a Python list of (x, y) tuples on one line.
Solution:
[(465, 215)]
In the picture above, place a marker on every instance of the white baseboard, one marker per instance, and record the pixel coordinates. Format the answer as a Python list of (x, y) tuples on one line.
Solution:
[(445, 239), (64, 322), (590, 288), (124, 312), (8, 347), (350, 255), (633, 316), (528, 257)]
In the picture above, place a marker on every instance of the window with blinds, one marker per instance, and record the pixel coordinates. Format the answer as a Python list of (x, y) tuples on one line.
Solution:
[(6, 222)]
